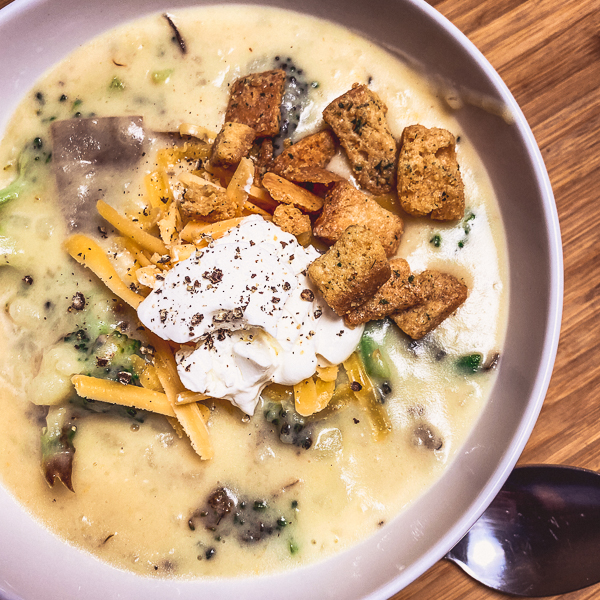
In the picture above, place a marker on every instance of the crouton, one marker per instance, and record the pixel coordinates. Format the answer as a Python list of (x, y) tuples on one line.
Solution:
[(358, 120), (264, 157), (443, 295), (399, 292), (311, 175), (352, 270), (287, 192), (256, 101), (345, 205), (205, 201), (429, 180), (232, 144), (292, 220), (312, 151)]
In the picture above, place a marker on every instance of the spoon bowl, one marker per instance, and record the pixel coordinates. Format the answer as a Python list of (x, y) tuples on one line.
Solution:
[(540, 536)]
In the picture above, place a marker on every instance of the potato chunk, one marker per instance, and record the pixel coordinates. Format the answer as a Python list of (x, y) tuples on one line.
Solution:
[(358, 119), (256, 101), (345, 206), (287, 192), (311, 151), (399, 292), (292, 220), (443, 295), (232, 144), (352, 270), (429, 180)]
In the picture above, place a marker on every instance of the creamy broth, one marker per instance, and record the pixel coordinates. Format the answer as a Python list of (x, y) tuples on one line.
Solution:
[(139, 488)]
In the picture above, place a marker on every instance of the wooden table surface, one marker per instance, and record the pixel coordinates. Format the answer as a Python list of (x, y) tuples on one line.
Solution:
[(548, 53)]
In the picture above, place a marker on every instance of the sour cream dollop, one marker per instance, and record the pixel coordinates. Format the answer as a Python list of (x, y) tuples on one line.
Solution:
[(247, 314)]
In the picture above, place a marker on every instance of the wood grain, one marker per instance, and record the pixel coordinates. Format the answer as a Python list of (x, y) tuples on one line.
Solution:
[(548, 53)]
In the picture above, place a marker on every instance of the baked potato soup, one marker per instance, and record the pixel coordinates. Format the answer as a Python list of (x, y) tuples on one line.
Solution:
[(253, 285)]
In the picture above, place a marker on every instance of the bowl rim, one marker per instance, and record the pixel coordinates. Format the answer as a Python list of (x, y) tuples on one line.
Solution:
[(19, 8)]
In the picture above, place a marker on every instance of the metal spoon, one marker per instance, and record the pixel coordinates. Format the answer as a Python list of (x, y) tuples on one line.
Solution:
[(540, 536)]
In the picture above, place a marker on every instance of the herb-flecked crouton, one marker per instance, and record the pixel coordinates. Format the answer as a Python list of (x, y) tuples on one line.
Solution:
[(256, 101), (399, 292), (311, 151), (358, 120), (429, 180), (351, 271), (232, 144), (292, 220), (287, 192), (443, 295), (345, 206), (311, 175), (205, 201)]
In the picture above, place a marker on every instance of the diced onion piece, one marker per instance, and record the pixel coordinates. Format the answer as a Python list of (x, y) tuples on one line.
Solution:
[(378, 418), (130, 229), (189, 415), (241, 183), (113, 392), (87, 253), (202, 133)]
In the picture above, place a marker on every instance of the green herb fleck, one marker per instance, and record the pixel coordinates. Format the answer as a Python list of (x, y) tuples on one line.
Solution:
[(470, 362), (466, 226), (293, 547), (436, 240), (260, 505), (161, 76), (116, 84), (38, 143)]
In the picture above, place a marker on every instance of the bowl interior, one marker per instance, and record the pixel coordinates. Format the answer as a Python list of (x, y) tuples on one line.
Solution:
[(38, 33)]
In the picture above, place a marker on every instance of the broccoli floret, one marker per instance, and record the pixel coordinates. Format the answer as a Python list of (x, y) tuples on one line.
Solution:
[(12, 191)]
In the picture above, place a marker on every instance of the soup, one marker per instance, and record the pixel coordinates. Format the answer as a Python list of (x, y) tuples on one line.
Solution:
[(281, 489)]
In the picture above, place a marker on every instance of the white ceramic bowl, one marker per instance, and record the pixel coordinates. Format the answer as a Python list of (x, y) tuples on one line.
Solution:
[(34, 564)]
